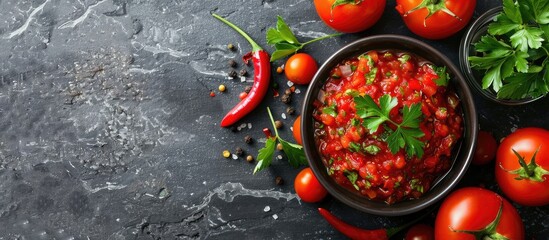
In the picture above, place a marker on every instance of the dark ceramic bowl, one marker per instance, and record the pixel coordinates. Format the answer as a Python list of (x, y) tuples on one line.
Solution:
[(463, 151), (466, 49)]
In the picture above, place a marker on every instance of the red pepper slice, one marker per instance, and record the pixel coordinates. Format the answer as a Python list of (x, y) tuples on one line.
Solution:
[(262, 77)]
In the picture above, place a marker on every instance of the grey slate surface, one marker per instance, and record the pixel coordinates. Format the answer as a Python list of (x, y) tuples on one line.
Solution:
[(107, 129)]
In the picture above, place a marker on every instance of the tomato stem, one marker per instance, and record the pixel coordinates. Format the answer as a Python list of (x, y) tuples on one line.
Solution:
[(531, 171), (489, 232), (432, 7)]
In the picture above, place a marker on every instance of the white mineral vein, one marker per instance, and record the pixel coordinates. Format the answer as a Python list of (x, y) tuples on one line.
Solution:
[(73, 23), (24, 27)]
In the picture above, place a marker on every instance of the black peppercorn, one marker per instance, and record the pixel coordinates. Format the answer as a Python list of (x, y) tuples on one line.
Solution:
[(232, 74), (290, 110), (286, 98), (232, 63), (248, 139), (248, 89), (239, 151), (243, 72), (279, 180)]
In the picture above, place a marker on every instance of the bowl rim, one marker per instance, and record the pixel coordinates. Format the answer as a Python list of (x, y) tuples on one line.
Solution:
[(463, 52), (464, 154)]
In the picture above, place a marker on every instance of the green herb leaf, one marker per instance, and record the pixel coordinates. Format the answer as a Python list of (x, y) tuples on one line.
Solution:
[(265, 155), (443, 76), (330, 110), (502, 26), (352, 176), (512, 11), (284, 40), (521, 62), (490, 43), (407, 133), (372, 149), (371, 76), (294, 152), (373, 114), (354, 147), (527, 37), (404, 58)]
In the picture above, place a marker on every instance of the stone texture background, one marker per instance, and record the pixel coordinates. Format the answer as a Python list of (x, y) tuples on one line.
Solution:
[(107, 129)]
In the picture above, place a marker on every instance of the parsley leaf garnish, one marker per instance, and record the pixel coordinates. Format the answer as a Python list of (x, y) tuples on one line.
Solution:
[(284, 40), (514, 53), (407, 133), (294, 152), (352, 176)]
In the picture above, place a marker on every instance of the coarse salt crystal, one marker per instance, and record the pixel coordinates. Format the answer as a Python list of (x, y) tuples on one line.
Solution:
[(275, 216), (297, 91), (234, 156), (292, 129), (242, 125), (290, 84), (279, 157), (250, 125), (283, 115), (266, 209)]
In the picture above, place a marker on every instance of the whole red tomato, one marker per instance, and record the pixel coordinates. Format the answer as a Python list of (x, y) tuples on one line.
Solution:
[(350, 16), (300, 68), (526, 183), (486, 148), (307, 186), (420, 232), (472, 210), (444, 19)]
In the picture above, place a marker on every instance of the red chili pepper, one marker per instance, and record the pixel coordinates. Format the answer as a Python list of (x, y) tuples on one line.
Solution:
[(364, 234), (351, 231), (262, 75)]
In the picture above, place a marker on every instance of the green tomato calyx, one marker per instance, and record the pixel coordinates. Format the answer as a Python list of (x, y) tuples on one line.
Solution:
[(488, 232), (531, 171), (432, 7)]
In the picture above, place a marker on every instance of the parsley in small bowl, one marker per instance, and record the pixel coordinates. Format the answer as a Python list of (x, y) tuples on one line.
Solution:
[(505, 52)]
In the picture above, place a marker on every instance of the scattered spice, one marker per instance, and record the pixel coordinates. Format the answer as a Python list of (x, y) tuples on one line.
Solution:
[(226, 154), (212, 94), (279, 181), (286, 99), (234, 129), (232, 74), (242, 95), (278, 124), (267, 132), (279, 146), (222, 88), (239, 151), (290, 110), (249, 158), (248, 139), (279, 70), (247, 89), (243, 72), (232, 63), (288, 91), (231, 47)]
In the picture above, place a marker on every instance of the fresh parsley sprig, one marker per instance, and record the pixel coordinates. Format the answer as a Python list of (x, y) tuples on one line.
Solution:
[(515, 52), (284, 40), (294, 152), (407, 133)]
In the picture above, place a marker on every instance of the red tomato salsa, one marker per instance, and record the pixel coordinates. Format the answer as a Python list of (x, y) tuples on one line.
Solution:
[(385, 125)]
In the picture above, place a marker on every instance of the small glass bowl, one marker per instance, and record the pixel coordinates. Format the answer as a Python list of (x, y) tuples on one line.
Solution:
[(474, 78)]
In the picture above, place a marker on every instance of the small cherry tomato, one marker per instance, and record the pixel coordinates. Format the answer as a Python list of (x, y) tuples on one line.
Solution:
[(522, 166), (350, 16), (308, 188), (300, 68), (420, 232), (297, 130), (486, 148)]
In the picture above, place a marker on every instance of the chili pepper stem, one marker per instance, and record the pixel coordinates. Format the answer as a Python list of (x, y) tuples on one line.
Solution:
[(255, 46), (321, 38)]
